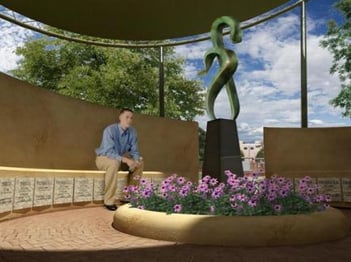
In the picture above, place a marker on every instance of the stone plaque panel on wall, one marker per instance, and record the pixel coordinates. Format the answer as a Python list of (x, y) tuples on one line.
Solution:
[(43, 191), (330, 186), (99, 188), (7, 188), (346, 189), (63, 190), (83, 189), (24, 191)]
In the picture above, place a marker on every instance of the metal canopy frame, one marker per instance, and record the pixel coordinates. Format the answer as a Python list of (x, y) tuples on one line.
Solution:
[(13, 17)]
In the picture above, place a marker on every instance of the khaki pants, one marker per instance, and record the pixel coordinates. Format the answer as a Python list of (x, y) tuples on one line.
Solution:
[(112, 166)]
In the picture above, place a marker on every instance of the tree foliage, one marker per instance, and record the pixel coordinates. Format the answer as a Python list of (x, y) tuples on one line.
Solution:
[(338, 41), (115, 77)]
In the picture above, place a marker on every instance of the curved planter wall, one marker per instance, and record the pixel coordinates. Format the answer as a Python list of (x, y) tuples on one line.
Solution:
[(233, 230)]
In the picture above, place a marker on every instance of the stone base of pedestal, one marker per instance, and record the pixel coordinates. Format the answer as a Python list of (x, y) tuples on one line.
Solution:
[(222, 149)]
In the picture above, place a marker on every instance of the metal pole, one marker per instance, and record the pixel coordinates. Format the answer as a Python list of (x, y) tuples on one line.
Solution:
[(303, 45), (161, 84)]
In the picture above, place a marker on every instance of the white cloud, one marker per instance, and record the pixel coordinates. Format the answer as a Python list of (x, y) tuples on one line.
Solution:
[(316, 121), (12, 36)]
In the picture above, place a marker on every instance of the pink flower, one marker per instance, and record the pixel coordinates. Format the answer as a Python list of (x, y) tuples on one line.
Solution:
[(272, 196), (143, 181), (203, 187), (177, 208), (172, 188), (216, 194), (252, 203), (277, 208), (232, 198), (180, 180), (213, 181), (141, 207), (206, 179)]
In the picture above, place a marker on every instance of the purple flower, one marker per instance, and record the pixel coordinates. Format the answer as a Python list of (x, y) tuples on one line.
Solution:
[(272, 196), (205, 179), (235, 205), (146, 193), (126, 189), (189, 183), (252, 203), (241, 197), (233, 182), (232, 198), (310, 190), (143, 181), (281, 180), (216, 194), (277, 208), (164, 195), (136, 177), (251, 190), (165, 183), (203, 187), (262, 187), (283, 193), (172, 188), (228, 173), (180, 180), (213, 181), (177, 208), (183, 192), (164, 188), (302, 187), (327, 198), (141, 207)]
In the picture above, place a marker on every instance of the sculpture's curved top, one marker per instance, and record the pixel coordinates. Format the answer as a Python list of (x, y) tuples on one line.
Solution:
[(136, 19)]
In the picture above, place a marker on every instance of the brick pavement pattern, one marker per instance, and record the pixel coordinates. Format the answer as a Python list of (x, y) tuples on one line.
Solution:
[(87, 235)]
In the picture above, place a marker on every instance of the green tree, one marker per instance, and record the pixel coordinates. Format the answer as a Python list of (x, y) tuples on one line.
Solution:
[(116, 77), (260, 154), (338, 41)]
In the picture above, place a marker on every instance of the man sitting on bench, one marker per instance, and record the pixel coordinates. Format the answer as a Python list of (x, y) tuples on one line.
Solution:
[(118, 150)]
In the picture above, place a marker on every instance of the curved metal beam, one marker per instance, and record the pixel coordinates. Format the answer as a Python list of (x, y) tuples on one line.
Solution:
[(148, 44)]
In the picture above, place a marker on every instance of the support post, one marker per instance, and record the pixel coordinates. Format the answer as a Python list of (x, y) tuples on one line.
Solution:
[(161, 84), (303, 45)]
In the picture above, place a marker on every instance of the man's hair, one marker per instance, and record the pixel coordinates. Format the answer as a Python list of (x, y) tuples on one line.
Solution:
[(125, 110)]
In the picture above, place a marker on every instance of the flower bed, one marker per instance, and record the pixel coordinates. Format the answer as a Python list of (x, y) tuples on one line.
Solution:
[(239, 196)]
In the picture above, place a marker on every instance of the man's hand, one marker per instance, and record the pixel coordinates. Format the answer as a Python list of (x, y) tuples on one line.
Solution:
[(130, 162)]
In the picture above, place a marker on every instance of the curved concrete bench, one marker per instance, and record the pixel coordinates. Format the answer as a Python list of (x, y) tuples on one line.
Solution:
[(27, 191)]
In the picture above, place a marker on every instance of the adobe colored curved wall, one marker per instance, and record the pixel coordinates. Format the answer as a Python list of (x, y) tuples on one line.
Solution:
[(42, 129), (317, 152)]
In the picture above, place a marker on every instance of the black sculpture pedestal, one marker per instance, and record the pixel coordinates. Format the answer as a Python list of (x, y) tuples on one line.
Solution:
[(222, 150)]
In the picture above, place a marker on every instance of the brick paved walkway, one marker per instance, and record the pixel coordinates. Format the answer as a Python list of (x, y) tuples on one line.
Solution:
[(87, 235)]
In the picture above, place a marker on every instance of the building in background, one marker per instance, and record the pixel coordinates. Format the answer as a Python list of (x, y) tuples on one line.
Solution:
[(252, 162)]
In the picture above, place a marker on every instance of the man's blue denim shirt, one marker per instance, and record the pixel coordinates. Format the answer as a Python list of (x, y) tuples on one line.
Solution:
[(116, 142)]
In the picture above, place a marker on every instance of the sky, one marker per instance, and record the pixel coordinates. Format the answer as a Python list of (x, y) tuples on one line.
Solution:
[(268, 75)]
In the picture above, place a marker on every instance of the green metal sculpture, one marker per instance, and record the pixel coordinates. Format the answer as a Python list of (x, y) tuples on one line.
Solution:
[(228, 63)]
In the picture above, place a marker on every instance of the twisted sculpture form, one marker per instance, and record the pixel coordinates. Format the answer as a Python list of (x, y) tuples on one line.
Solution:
[(228, 62)]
